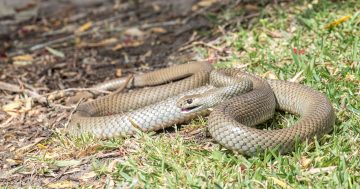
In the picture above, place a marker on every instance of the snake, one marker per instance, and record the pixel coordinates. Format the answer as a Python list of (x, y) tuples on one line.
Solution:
[(234, 100)]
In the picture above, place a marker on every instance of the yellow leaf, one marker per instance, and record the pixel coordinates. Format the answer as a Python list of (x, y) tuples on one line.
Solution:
[(22, 60), (337, 22), (41, 146), (281, 183), (84, 27), (62, 184), (26, 57)]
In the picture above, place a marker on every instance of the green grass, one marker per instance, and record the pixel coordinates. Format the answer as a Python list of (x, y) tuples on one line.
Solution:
[(329, 63)]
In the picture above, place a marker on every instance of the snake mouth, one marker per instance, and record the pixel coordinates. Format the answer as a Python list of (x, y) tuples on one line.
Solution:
[(190, 109)]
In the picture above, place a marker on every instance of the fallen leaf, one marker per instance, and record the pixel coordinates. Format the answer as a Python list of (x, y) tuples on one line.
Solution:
[(281, 183), (112, 165), (118, 72), (320, 170), (84, 27), (269, 74), (62, 184), (5, 174), (297, 78), (13, 162), (206, 3), (23, 149), (158, 30), (41, 146), (135, 32), (263, 37), (305, 162), (98, 44), (55, 52), (67, 163), (87, 176), (22, 60), (274, 34), (337, 22), (26, 57), (12, 106), (128, 44)]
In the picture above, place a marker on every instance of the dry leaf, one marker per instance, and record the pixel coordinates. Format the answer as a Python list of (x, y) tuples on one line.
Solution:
[(337, 22), (56, 95), (13, 162), (67, 163), (55, 52), (87, 176), (128, 44), (158, 30), (41, 146), (135, 32), (206, 3), (269, 74), (156, 7), (320, 170), (99, 44), (84, 27), (12, 106), (251, 7), (62, 184), (22, 60), (281, 183), (274, 34), (25, 148), (305, 162), (26, 57), (112, 165), (118, 72), (18, 106), (297, 78)]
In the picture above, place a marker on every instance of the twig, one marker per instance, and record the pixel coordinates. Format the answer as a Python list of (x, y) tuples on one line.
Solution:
[(6, 123), (147, 26), (128, 79), (73, 111), (18, 89), (79, 89), (201, 43)]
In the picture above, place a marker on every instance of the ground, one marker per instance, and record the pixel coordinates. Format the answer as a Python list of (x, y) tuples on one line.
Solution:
[(48, 58)]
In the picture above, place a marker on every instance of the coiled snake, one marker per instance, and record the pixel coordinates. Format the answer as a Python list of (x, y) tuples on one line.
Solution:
[(239, 100)]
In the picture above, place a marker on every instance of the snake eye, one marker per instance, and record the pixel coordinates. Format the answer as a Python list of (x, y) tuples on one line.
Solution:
[(189, 101)]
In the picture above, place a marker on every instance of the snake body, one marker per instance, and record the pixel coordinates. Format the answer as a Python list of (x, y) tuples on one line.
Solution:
[(229, 123)]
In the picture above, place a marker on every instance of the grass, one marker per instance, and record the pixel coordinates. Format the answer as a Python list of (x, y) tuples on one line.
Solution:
[(325, 59)]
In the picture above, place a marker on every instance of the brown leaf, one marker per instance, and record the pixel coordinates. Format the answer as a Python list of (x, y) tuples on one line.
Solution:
[(158, 30), (102, 43)]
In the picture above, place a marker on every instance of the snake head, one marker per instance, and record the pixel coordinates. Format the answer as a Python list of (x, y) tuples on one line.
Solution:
[(191, 103)]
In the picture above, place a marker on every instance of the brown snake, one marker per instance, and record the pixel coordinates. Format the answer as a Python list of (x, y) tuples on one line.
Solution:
[(229, 122)]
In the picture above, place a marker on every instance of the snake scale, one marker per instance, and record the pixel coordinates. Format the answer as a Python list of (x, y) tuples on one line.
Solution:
[(231, 119)]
